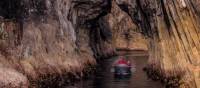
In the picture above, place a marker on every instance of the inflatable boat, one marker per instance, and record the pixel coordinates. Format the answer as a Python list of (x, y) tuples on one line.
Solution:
[(122, 70), (122, 67)]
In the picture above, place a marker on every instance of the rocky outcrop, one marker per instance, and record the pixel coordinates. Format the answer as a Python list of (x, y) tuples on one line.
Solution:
[(46, 40)]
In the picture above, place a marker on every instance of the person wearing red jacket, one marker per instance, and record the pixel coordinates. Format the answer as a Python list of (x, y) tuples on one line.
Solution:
[(122, 61)]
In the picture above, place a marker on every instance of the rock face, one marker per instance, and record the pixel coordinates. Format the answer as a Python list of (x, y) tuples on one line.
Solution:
[(172, 27), (126, 34), (47, 37)]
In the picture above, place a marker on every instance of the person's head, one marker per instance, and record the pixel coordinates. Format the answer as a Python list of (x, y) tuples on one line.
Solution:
[(121, 57)]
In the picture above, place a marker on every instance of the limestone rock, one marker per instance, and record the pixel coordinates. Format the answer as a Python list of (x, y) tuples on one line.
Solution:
[(126, 35), (12, 79)]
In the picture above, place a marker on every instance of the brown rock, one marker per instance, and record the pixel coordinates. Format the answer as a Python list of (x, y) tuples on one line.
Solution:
[(125, 33), (12, 79)]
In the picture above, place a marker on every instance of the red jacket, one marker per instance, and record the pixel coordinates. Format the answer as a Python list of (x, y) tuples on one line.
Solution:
[(122, 61)]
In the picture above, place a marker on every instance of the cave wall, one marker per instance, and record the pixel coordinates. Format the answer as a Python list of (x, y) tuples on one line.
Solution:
[(126, 35), (172, 30), (116, 32), (43, 37), (180, 41), (172, 27)]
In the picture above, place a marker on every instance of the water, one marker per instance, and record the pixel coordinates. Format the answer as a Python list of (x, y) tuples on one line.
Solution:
[(105, 79)]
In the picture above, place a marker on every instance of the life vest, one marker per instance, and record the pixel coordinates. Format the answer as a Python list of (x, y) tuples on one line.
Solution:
[(122, 61)]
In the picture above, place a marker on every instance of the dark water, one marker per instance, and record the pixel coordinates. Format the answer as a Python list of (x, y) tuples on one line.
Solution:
[(105, 79)]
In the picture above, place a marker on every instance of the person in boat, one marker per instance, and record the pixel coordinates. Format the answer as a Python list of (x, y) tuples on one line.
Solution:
[(122, 61), (122, 66)]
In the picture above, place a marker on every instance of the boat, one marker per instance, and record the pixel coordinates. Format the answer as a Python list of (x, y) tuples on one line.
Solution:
[(122, 67), (122, 70)]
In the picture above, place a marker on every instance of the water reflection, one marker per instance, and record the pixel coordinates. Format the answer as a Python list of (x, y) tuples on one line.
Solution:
[(105, 78)]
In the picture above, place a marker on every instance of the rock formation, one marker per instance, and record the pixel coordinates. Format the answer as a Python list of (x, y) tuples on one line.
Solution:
[(46, 38), (126, 35), (40, 39), (172, 30)]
